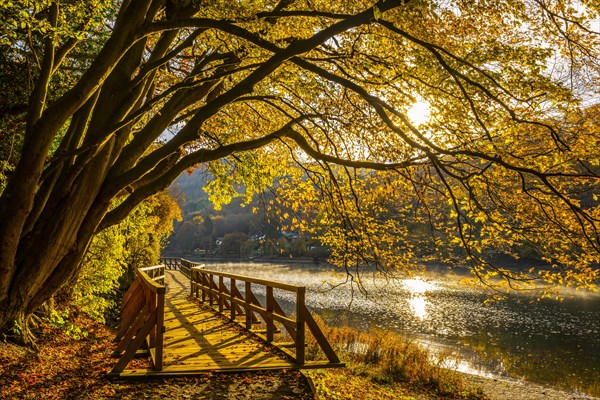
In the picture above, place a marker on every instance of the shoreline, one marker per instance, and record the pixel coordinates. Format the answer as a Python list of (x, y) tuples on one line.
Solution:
[(505, 389)]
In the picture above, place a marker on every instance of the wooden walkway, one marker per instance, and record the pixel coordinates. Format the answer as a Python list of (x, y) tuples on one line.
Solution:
[(197, 322), (198, 339)]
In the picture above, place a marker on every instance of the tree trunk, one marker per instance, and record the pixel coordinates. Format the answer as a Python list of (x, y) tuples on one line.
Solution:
[(43, 267), (49, 254)]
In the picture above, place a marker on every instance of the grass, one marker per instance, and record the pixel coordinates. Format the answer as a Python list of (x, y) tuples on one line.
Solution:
[(384, 365)]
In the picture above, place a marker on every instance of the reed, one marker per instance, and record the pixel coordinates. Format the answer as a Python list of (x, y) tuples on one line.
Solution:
[(388, 358)]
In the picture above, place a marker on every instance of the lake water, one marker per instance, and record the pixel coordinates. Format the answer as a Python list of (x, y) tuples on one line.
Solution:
[(548, 342)]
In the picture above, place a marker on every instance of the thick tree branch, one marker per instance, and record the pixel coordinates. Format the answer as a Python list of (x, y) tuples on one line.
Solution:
[(40, 91), (245, 86)]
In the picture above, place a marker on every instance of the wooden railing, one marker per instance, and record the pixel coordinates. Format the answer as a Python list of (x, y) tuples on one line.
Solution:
[(221, 290), (142, 317), (179, 264)]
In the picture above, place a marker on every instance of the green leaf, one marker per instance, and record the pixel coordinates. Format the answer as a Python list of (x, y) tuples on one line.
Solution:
[(376, 13)]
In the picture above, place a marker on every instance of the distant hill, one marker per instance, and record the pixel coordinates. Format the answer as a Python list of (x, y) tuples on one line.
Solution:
[(232, 232), (188, 191)]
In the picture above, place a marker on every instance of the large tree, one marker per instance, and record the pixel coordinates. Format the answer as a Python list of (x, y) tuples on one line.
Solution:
[(252, 88)]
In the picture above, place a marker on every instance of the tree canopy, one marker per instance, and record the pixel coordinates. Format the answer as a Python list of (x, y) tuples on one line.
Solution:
[(114, 99)]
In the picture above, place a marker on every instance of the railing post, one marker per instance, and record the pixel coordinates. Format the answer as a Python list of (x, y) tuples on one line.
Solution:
[(160, 317), (247, 305), (193, 283), (204, 282), (269, 314), (300, 328), (163, 270), (210, 289), (221, 291), (159, 300), (151, 301), (197, 278), (199, 282), (232, 303)]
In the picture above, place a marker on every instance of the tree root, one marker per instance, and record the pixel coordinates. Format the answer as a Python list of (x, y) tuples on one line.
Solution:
[(20, 333)]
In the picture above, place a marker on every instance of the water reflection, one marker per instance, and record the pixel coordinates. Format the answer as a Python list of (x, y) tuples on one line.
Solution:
[(418, 303), (418, 306)]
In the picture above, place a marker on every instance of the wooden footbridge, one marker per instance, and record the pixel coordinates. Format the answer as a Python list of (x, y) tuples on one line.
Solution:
[(193, 320)]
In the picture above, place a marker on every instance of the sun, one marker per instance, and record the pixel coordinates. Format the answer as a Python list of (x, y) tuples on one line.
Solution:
[(419, 113)]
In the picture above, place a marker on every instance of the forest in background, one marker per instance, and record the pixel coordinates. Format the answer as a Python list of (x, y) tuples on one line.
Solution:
[(233, 231)]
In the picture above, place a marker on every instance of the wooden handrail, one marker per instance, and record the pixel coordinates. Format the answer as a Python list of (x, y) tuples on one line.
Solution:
[(152, 268), (244, 278), (142, 318), (151, 283), (217, 293)]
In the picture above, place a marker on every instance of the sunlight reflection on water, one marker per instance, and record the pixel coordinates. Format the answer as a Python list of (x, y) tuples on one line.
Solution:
[(419, 307), (417, 287)]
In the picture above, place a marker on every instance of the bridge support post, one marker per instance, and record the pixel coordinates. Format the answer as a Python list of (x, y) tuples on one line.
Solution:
[(300, 327), (233, 304), (269, 314), (247, 305)]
